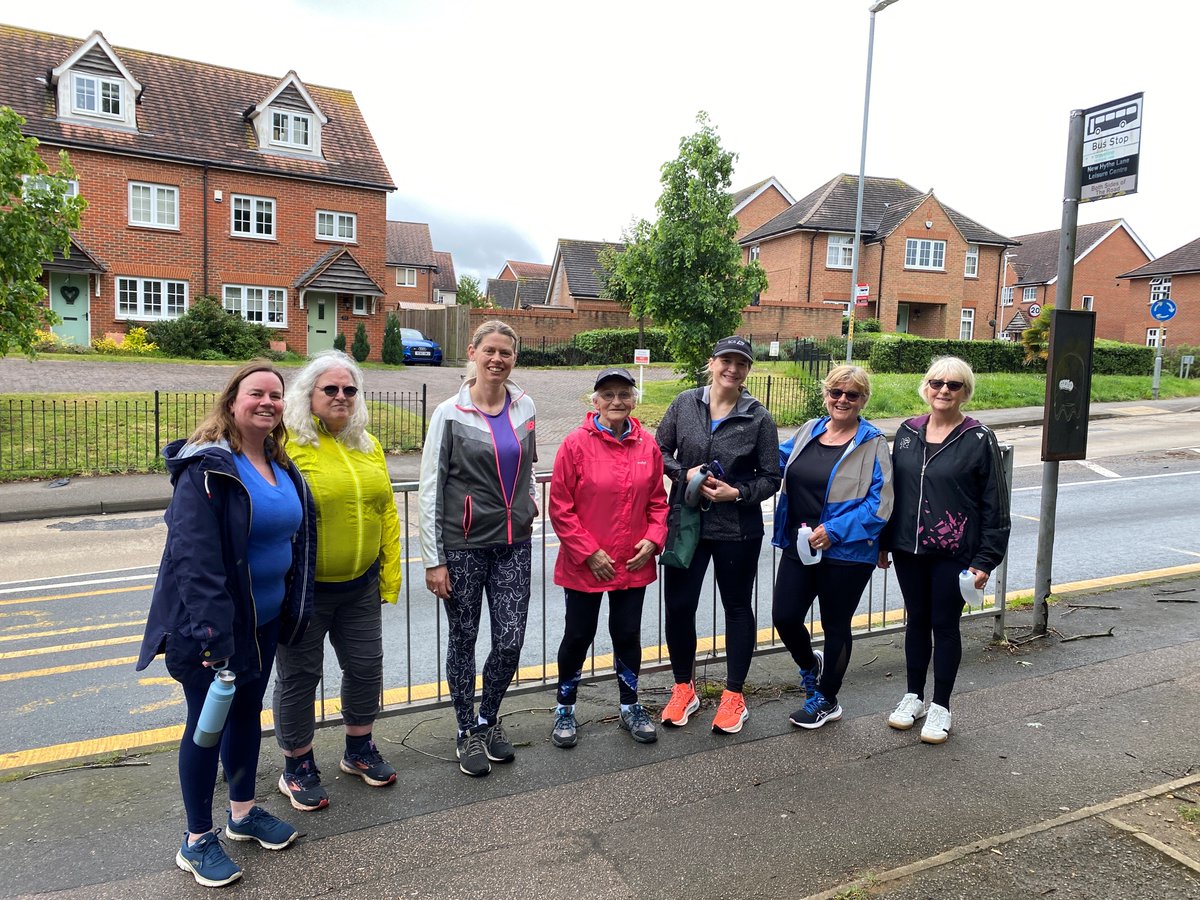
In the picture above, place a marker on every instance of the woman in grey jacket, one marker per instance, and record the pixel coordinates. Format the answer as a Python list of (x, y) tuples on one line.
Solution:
[(719, 423)]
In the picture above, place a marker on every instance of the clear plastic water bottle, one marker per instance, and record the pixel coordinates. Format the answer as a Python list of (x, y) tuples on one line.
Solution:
[(966, 586), (804, 549), (215, 710)]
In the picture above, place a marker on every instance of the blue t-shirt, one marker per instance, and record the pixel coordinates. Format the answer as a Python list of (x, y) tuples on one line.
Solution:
[(274, 519), (508, 448)]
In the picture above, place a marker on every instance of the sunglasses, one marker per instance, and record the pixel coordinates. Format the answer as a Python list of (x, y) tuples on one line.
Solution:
[(838, 394), (331, 390), (937, 384)]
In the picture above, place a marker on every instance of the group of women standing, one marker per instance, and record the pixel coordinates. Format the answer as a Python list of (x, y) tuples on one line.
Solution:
[(283, 530)]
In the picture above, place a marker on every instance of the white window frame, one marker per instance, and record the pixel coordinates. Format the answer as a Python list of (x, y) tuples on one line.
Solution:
[(925, 253), (1153, 335), (337, 226), (39, 182), (361, 305), (839, 251), (256, 206), (285, 136), (966, 325), (157, 193), (169, 295), (1088, 302), (1029, 295), (406, 272), (1160, 288), (257, 303), (971, 265), (754, 251), (97, 93), (1006, 296)]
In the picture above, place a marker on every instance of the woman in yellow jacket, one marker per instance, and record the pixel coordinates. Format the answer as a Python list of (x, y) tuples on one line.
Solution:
[(358, 568)]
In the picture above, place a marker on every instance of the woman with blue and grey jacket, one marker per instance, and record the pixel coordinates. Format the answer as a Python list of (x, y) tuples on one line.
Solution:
[(837, 476)]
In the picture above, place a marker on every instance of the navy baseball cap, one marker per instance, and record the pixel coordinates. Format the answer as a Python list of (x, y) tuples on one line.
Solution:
[(733, 344), (622, 374)]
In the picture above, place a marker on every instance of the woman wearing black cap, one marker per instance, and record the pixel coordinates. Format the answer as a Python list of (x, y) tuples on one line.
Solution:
[(719, 423), (609, 510)]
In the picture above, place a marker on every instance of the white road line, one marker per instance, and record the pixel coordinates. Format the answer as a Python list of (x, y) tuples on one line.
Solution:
[(1038, 487), (1097, 468), (1184, 552), (67, 585)]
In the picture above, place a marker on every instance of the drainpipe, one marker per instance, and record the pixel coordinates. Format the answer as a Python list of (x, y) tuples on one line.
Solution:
[(204, 240), (808, 289), (879, 289)]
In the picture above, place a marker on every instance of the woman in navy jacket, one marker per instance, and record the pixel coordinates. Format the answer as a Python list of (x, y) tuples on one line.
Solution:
[(236, 578), (837, 478)]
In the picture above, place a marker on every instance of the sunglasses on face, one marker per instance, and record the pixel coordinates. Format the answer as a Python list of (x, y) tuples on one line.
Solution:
[(331, 390), (838, 394), (953, 386)]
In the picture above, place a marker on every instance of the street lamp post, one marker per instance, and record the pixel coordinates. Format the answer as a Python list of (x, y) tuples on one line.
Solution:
[(862, 171)]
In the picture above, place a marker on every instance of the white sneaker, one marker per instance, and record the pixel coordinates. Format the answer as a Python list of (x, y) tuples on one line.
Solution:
[(937, 725), (907, 712)]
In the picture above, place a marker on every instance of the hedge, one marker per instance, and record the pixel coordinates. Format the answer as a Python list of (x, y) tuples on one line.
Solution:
[(913, 355)]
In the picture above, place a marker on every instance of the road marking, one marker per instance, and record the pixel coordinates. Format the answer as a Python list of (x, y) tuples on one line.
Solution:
[(65, 648), (1137, 411), (123, 590), (1030, 518), (1038, 487), (64, 585), (59, 631), (1184, 552), (1097, 468), (75, 667)]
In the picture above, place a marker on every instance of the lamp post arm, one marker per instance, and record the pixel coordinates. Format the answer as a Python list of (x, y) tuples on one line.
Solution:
[(862, 170)]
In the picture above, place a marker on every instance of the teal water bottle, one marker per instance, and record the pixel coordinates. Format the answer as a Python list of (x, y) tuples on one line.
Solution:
[(215, 710)]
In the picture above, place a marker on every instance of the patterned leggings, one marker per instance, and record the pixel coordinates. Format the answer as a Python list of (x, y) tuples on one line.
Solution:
[(504, 572)]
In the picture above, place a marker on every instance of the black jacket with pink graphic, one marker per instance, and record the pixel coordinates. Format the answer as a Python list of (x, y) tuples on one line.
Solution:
[(951, 501)]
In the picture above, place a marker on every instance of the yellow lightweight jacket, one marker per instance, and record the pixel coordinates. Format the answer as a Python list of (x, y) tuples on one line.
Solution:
[(356, 510)]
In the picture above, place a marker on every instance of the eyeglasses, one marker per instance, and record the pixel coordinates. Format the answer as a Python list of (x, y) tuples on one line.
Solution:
[(838, 394), (610, 396), (331, 390), (937, 384)]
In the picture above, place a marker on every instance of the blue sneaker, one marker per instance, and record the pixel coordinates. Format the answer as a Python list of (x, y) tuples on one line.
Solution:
[(207, 861), (811, 678), (816, 712), (261, 826)]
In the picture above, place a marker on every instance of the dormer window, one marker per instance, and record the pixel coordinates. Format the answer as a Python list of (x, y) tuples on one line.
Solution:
[(96, 96), (289, 129), (288, 120), (93, 87)]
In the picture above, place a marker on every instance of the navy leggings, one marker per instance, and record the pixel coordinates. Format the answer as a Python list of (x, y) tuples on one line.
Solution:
[(838, 588), (625, 628), (934, 605), (504, 572), (240, 742), (735, 564)]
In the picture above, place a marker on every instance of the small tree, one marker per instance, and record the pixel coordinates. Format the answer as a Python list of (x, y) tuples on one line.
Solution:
[(339, 341), (469, 293), (36, 218), (360, 349), (1036, 337), (685, 270), (393, 345)]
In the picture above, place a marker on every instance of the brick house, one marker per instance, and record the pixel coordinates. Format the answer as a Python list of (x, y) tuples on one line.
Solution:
[(412, 266), (758, 204), (1174, 276), (265, 192), (445, 282), (929, 269), (1103, 250), (513, 270)]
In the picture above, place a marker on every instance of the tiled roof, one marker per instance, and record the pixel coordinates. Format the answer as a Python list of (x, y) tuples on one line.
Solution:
[(581, 261), (503, 294), (188, 111), (1017, 323), (1036, 259), (445, 279), (740, 197), (409, 244), (527, 269), (532, 291), (886, 201), (337, 270), (80, 261), (1183, 261)]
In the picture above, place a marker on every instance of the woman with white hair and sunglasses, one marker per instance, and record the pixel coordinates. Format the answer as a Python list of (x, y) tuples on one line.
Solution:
[(358, 568), (950, 515)]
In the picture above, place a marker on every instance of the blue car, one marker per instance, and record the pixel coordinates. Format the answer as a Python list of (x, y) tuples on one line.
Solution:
[(419, 349)]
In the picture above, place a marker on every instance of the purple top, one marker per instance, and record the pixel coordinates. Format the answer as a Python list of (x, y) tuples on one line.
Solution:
[(508, 448)]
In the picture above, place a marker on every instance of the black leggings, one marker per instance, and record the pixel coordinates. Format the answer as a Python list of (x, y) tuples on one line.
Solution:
[(625, 628), (839, 588), (934, 605), (735, 564)]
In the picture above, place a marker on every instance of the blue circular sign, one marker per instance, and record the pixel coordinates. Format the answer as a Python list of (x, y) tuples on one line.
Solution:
[(1163, 310)]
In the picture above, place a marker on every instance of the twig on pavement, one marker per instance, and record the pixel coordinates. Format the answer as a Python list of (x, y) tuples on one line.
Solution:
[(1080, 637)]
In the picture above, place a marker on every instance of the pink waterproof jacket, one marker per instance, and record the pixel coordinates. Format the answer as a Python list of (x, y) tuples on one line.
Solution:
[(606, 494)]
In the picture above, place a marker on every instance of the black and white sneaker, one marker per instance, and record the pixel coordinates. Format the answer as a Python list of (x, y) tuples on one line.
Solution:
[(497, 745), (472, 754)]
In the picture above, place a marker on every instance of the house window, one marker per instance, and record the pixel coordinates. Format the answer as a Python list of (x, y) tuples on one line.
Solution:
[(265, 305), (336, 226), (971, 269), (253, 217), (1006, 296), (754, 253), (839, 253), (1029, 294), (153, 205), (150, 298), (920, 253), (966, 325), (96, 96), (1088, 303), (1160, 288), (406, 277), (1154, 335), (361, 305), (34, 183), (289, 129)]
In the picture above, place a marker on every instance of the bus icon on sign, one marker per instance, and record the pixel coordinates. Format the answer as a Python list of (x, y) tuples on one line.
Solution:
[(1113, 118)]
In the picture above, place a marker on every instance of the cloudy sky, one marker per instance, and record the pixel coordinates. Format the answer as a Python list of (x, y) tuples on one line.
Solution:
[(507, 125)]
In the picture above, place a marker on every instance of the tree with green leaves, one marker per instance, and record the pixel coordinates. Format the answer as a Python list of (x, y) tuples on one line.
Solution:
[(469, 293), (685, 270), (393, 345), (36, 218), (360, 349), (1036, 338)]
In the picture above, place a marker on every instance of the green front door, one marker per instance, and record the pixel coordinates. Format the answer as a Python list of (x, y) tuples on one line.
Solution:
[(69, 298), (322, 322)]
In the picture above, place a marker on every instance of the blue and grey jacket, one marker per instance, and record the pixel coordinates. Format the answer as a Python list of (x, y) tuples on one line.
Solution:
[(858, 498)]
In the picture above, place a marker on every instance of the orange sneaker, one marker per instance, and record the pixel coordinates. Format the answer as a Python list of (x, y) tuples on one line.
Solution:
[(683, 703), (731, 713)]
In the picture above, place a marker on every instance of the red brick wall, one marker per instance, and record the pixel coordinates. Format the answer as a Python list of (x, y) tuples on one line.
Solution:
[(422, 293), (761, 210), (1183, 329)]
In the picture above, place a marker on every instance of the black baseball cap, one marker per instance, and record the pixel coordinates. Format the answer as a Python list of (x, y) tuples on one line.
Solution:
[(622, 374), (733, 344)]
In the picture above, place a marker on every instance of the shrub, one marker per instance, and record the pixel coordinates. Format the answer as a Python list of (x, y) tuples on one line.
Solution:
[(1171, 359), (393, 346), (913, 355), (339, 342), (360, 349), (615, 346), (49, 342), (1115, 358), (207, 329)]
